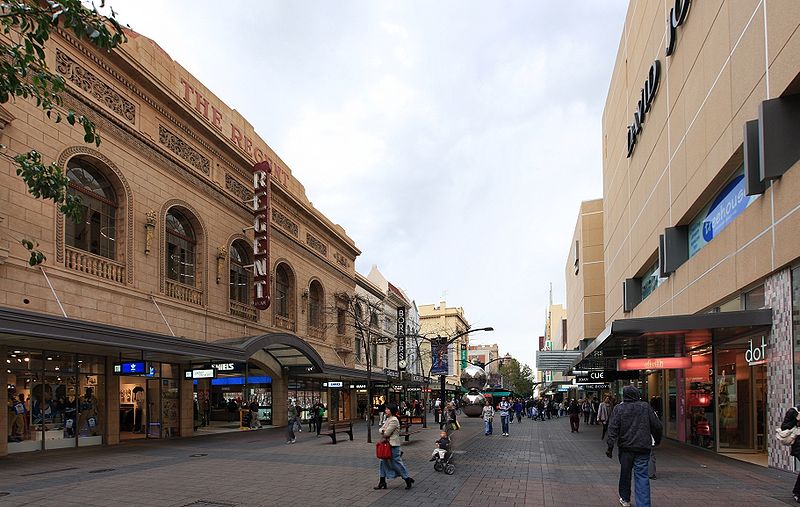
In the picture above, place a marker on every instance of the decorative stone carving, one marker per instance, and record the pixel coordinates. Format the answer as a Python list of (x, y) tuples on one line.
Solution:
[(181, 148), (3, 249), (238, 188), (88, 82), (149, 228), (316, 244), (222, 254), (341, 259), (285, 222)]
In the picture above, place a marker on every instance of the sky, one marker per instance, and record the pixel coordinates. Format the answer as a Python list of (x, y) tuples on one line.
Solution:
[(453, 140)]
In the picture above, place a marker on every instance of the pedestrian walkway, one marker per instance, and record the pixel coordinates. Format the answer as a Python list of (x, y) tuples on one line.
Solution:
[(539, 464)]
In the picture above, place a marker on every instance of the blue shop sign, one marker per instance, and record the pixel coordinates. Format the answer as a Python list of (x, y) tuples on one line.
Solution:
[(715, 217), (131, 368)]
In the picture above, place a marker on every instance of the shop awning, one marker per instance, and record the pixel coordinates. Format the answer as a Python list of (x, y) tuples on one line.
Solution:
[(288, 350), (37, 330), (663, 336)]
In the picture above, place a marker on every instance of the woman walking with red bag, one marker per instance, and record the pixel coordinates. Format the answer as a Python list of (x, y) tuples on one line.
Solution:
[(394, 466)]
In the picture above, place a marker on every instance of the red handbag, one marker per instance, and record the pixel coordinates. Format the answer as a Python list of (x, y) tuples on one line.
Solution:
[(383, 450)]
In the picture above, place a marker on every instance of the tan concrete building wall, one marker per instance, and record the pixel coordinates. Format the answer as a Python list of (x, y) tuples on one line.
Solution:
[(729, 56), (585, 283), (164, 148)]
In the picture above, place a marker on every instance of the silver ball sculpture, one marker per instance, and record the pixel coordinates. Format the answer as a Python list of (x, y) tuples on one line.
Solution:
[(473, 378)]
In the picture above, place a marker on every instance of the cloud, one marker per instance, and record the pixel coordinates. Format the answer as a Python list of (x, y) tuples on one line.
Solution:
[(453, 140)]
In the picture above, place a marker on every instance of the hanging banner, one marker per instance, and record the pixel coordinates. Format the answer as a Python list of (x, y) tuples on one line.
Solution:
[(439, 361)]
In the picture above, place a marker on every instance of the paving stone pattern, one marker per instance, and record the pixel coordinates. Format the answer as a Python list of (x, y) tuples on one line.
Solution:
[(540, 464)]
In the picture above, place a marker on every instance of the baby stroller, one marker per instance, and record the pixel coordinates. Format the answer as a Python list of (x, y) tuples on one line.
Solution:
[(445, 464)]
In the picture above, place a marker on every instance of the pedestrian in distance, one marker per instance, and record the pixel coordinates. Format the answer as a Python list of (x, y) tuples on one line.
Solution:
[(518, 408), (791, 420), (393, 467), (595, 403), (504, 407), (604, 414), (488, 417), (291, 421), (574, 412), (634, 429), (586, 408)]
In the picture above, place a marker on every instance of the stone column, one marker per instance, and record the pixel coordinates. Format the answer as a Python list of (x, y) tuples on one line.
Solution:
[(111, 402), (187, 404), (780, 358), (3, 404), (280, 399)]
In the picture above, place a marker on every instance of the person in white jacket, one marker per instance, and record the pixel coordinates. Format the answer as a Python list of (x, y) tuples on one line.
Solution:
[(488, 417)]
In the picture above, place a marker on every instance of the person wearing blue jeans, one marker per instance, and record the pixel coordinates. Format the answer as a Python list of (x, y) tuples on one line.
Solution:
[(635, 462), (504, 408), (635, 429), (488, 415)]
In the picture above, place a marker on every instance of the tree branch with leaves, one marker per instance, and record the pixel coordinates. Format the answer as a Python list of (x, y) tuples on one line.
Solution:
[(27, 26)]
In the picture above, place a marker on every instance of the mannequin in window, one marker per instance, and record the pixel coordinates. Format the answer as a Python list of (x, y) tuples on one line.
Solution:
[(89, 420)]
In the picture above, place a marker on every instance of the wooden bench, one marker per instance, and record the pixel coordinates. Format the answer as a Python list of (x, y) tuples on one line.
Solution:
[(407, 425), (338, 427)]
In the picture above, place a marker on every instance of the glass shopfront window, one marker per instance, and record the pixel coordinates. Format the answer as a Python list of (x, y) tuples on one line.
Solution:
[(55, 400), (305, 394), (699, 384), (741, 394)]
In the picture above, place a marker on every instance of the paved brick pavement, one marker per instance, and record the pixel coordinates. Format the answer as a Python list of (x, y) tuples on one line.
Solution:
[(540, 464)]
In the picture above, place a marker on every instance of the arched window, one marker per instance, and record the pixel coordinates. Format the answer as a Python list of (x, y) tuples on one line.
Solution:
[(181, 248), (283, 287), (315, 299), (95, 232), (240, 276)]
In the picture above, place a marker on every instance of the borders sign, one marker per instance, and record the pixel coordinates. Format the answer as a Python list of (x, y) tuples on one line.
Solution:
[(401, 338)]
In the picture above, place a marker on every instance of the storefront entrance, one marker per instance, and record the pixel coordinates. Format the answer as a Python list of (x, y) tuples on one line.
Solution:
[(741, 384)]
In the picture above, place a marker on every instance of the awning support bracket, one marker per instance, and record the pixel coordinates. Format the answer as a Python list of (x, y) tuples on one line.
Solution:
[(47, 278), (162, 315)]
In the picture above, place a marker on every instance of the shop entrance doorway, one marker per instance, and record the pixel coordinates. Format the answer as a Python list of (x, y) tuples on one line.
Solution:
[(742, 396), (132, 408)]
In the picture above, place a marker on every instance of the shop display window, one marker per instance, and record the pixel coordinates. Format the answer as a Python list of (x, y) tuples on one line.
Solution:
[(91, 401), (55, 400), (699, 385)]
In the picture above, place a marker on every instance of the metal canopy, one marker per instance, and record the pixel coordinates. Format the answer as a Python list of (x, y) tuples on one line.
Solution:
[(663, 336), (23, 324)]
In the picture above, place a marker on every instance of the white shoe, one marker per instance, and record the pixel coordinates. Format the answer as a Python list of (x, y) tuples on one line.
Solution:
[(623, 503)]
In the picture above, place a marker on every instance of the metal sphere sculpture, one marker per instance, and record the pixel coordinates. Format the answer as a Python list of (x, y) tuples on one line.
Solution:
[(473, 378)]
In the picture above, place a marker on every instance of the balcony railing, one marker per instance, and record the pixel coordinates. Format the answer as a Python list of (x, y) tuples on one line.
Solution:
[(182, 292), (243, 311), (284, 322), (316, 332), (96, 265)]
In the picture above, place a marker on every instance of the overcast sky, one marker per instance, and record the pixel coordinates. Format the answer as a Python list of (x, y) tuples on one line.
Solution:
[(453, 140)]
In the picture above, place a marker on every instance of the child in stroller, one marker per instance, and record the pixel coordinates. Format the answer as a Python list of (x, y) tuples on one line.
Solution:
[(442, 455)]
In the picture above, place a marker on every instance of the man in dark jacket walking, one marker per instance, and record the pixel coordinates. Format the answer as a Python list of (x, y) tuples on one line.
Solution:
[(633, 428)]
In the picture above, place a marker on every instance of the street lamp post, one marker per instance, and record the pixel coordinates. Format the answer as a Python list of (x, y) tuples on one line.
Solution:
[(442, 341)]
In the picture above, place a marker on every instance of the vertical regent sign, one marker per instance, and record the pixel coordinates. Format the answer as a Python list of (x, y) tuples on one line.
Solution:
[(677, 15), (401, 335), (261, 181)]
